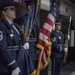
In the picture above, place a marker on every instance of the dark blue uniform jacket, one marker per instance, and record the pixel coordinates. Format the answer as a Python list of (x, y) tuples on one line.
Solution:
[(57, 39), (6, 56), (9, 58)]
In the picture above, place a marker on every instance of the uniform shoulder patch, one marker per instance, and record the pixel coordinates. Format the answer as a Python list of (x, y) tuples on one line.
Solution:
[(1, 35), (59, 37), (53, 39)]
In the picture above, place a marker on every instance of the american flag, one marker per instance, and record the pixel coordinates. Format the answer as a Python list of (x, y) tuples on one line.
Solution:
[(44, 42)]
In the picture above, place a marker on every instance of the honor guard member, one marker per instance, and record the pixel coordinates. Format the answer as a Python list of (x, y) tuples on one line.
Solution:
[(57, 55), (34, 32), (14, 57), (23, 19)]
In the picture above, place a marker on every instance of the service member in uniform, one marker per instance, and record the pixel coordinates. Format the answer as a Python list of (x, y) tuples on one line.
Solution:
[(57, 55), (32, 42), (14, 57), (23, 19)]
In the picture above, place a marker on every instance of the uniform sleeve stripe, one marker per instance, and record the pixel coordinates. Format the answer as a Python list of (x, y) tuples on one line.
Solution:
[(11, 63)]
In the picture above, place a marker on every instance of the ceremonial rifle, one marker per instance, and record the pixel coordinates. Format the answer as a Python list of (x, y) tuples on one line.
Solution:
[(67, 39)]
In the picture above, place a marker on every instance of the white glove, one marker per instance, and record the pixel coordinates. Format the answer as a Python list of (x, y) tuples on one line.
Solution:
[(16, 71), (26, 45), (65, 49), (68, 37)]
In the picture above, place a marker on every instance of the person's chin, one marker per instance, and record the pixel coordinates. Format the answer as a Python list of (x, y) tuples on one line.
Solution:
[(14, 17)]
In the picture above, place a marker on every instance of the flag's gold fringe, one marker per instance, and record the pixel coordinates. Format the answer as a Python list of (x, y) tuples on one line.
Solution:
[(48, 44), (33, 73), (25, 35), (49, 53), (41, 47), (46, 62)]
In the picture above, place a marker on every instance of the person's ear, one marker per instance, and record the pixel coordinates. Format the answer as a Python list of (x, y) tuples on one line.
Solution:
[(3, 12)]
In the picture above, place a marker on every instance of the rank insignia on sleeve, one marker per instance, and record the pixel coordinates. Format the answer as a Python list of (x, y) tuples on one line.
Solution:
[(1, 35), (59, 37), (54, 39)]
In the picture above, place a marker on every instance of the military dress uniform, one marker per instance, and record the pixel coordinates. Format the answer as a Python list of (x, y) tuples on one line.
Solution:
[(12, 52), (7, 54), (57, 55), (22, 21)]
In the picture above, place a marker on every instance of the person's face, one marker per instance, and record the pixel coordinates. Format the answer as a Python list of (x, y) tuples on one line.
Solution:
[(29, 7), (9, 13), (58, 27)]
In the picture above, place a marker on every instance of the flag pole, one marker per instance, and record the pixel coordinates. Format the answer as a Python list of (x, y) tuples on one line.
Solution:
[(38, 68), (67, 40), (37, 7)]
